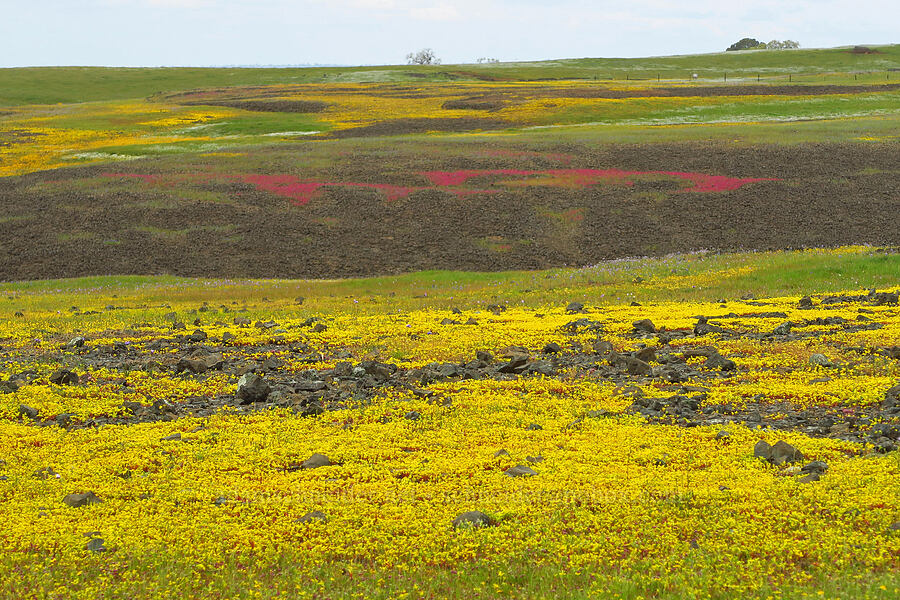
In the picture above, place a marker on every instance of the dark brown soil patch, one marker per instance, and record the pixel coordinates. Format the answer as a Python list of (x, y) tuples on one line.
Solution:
[(286, 106), (828, 195), (410, 126), (478, 103)]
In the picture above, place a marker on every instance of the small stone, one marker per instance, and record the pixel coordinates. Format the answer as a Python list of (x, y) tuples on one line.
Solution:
[(805, 302), (315, 461), (644, 325), (816, 466), (484, 356), (717, 361), (28, 411), (520, 471), (63, 377), (783, 329), (635, 366), (79, 500), (762, 450), (252, 388), (319, 328), (198, 336), (472, 520), (227, 337), (723, 435), (820, 360), (412, 415), (534, 459), (501, 452), (76, 342), (782, 453), (552, 348), (574, 307), (175, 437), (811, 477), (471, 321), (533, 427), (96, 545), (313, 517)]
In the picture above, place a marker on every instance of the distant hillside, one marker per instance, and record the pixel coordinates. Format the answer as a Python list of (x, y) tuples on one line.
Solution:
[(48, 85)]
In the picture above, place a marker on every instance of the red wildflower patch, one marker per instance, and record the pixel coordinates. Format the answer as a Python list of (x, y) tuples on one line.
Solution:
[(302, 191), (586, 177)]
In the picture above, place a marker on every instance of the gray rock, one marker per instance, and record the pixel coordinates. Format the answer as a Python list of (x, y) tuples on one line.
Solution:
[(472, 520), (175, 437), (520, 471), (28, 411), (96, 545), (552, 348), (809, 478), (63, 377), (644, 325), (891, 397), (198, 336), (763, 450), (313, 517), (315, 461), (816, 466), (783, 329), (723, 435), (820, 360), (79, 500), (484, 356), (501, 452), (533, 427), (805, 302), (782, 453), (574, 307), (717, 361), (635, 366), (75, 342), (252, 388), (412, 415)]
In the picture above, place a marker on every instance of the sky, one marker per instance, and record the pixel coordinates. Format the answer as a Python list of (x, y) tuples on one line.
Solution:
[(374, 32)]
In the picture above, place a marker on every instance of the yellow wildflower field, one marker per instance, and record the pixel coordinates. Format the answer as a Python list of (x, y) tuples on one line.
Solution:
[(606, 442)]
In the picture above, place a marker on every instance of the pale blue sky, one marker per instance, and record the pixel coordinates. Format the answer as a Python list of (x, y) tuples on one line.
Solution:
[(223, 32)]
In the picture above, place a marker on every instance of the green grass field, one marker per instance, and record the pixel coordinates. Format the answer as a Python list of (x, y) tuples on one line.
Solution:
[(50, 85)]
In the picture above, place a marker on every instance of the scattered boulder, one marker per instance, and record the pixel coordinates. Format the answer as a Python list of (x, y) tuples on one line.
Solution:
[(198, 336), (76, 342), (552, 348), (313, 517), (63, 377), (782, 453), (501, 452), (252, 388), (574, 307), (96, 545), (805, 302), (644, 326), (783, 329), (816, 466), (520, 471), (484, 356), (533, 427), (79, 500), (892, 397), (315, 461), (472, 520), (763, 450), (175, 437), (820, 360), (28, 411), (717, 361)]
